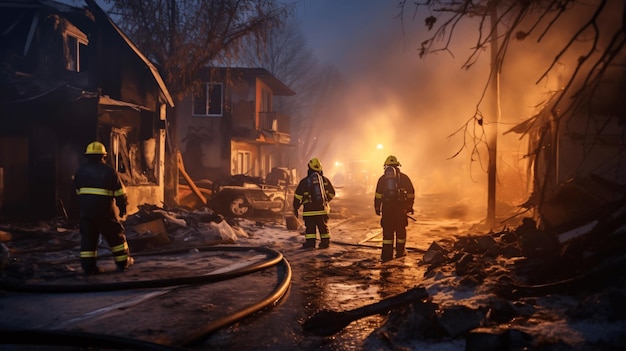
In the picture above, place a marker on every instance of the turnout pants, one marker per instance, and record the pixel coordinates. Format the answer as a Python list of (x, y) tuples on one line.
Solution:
[(394, 229), (389, 233), (314, 224), (113, 233)]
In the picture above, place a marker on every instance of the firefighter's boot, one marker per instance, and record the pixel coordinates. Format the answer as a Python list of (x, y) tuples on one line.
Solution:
[(89, 265), (400, 250), (309, 244), (400, 247), (325, 243), (387, 253), (121, 255), (124, 265)]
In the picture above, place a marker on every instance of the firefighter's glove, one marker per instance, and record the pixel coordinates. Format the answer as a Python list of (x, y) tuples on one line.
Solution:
[(411, 211), (378, 211), (122, 212)]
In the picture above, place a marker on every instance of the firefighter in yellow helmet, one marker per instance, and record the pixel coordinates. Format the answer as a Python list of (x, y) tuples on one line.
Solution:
[(393, 199), (98, 186), (314, 192)]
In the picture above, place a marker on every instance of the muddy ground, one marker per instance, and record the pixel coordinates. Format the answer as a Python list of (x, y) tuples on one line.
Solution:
[(39, 287), (345, 276)]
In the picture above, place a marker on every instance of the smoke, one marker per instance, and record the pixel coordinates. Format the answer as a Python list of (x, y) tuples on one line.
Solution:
[(417, 108), (407, 105)]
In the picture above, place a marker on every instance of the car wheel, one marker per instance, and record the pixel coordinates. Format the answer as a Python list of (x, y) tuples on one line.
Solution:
[(279, 205), (238, 208)]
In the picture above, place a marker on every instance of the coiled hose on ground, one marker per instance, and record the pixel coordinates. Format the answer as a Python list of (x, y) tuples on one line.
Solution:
[(194, 337)]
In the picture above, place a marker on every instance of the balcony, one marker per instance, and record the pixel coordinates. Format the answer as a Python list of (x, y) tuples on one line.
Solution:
[(273, 121)]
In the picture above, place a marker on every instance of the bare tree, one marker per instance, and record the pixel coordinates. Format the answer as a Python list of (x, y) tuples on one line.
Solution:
[(503, 22), (320, 112), (184, 36), (287, 56), (522, 19)]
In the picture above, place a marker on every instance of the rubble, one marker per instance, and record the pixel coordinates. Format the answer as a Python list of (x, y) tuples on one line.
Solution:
[(178, 226), (488, 291), (503, 285), (55, 244)]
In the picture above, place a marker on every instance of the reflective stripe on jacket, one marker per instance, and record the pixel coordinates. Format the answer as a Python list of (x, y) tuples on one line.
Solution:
[(99, 191), (302, 196), (97, 186)]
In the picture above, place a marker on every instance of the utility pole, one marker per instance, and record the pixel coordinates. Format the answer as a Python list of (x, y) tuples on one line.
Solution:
[(495, 112)]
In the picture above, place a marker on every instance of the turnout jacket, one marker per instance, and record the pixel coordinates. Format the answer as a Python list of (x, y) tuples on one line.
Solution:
[(406, 195), (97, 186), (303, 196)]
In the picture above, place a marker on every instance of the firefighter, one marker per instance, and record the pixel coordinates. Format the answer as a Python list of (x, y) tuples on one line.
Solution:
[(98, 185), (314, 192), (394, 198)]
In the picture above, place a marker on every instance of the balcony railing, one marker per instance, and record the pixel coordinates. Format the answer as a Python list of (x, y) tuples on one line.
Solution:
[(273, 121)]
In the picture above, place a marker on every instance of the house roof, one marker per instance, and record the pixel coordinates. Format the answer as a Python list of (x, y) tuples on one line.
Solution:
[(99, 13), (107, 101), (278, 87), (102, 18)]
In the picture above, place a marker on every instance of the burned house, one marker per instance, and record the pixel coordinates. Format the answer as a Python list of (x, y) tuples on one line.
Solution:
[(230, 127), (70, 76), (578, 159)]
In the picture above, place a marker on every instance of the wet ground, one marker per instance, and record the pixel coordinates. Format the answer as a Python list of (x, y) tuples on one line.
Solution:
[(346, 276)]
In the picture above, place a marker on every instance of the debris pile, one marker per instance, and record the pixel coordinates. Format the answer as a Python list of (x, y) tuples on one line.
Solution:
[(153, 226), (37, 251), (521, 289)]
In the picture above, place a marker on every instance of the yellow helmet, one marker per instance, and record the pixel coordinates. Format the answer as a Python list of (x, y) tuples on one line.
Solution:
[(96, 148), (392, 161), (315, 164)]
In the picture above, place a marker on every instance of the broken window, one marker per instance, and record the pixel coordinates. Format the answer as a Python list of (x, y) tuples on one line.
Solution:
[(133, 139), (75, 43), (208, 102), (133, 157)]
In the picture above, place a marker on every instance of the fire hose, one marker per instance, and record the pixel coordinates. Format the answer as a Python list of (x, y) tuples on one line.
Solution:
[(70, 338)]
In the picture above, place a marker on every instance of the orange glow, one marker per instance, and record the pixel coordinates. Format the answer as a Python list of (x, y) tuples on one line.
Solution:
[(422, 111)]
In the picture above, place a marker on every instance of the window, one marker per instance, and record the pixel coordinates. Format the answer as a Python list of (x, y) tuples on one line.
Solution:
[(243, 165), (75, 46), (209, 101), (75, 54)]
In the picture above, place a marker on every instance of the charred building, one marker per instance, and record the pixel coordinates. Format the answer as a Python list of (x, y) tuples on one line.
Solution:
[(69, 76)]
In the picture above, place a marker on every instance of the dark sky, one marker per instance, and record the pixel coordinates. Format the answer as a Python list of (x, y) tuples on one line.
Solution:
[(349, 33)]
